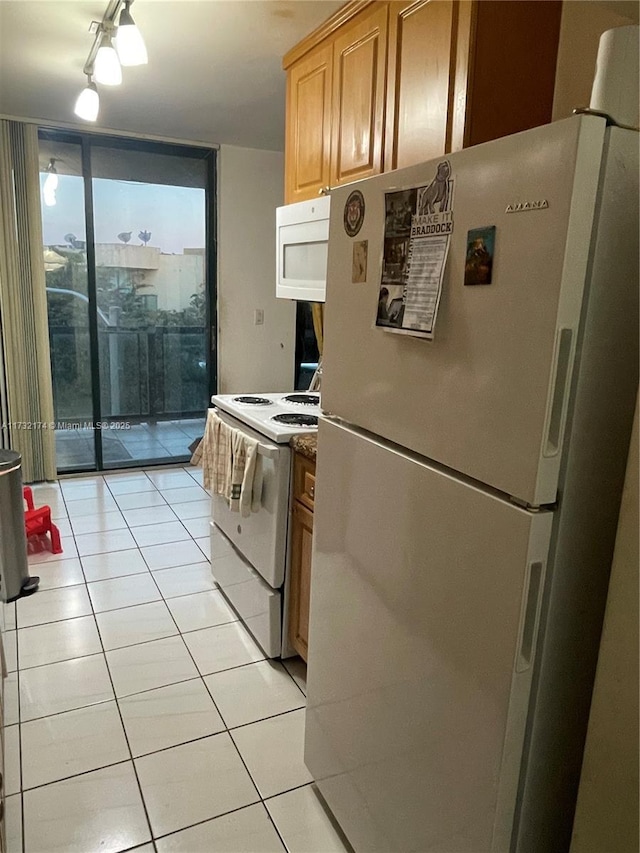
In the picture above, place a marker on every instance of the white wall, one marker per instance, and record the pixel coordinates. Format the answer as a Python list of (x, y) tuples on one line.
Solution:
[(582, 24), (607, 810), (175, 281), (251, 358)]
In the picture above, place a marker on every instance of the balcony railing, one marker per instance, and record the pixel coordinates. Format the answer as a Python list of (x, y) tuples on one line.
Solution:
[(145, 375)]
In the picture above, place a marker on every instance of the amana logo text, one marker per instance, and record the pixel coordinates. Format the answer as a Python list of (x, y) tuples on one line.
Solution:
[(527, 205)]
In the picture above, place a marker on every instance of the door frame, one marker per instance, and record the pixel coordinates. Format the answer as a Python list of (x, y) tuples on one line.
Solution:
[(85, 141)]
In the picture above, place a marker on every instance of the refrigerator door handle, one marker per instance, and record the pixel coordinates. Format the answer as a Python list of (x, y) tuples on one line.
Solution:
[(555, 418), (530, 619)]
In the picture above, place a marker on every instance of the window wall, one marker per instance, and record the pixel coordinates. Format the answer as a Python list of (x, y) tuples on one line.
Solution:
[(130, 286)]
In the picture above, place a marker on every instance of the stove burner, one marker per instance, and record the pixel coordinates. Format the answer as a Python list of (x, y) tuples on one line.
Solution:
[(295, 420), (253, 401), (303, 399)]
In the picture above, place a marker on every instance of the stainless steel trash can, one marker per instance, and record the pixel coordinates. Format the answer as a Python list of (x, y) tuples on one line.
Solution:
[(14, 568)]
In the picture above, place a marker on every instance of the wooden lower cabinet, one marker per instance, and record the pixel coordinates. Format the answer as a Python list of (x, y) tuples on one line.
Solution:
[(300, 580), (300, 556)]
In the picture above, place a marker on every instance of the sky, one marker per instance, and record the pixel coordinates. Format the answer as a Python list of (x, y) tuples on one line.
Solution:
[(175, 216)]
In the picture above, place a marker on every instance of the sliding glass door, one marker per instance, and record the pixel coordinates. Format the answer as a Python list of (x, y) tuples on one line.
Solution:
[(65, 262), (130, 294)]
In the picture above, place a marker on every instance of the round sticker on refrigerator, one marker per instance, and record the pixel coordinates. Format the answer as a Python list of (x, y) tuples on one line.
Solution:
[(354, 213)]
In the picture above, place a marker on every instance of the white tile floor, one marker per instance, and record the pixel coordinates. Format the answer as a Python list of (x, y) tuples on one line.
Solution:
[(139, 714)]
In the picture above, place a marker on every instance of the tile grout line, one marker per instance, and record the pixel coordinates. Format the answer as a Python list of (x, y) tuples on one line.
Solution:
[(231, 738), (224, 722), (106, 663), (151, 689), (124, 728), (20, 732), (226, 730)]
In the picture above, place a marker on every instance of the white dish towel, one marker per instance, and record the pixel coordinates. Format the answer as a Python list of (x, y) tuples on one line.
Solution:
[(231, 464)]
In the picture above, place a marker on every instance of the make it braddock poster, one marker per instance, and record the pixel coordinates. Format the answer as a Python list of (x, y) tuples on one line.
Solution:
[(417, 233)]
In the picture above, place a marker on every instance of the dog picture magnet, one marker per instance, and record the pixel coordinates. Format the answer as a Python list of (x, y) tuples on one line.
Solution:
[(354, 213), (478, 264)]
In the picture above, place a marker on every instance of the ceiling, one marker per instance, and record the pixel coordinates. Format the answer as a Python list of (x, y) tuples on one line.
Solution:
[(214, 72)]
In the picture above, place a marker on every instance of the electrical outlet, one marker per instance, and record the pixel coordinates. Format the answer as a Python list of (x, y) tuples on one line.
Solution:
[(258, 317)]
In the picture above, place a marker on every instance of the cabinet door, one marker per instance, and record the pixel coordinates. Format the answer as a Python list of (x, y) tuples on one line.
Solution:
[(308, 142), (421, 59), (359, 71), (510, 69), (300, 582)]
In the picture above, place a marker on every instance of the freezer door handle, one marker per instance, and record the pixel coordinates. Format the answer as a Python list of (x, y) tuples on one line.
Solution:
[(530, 617), (555, 415)]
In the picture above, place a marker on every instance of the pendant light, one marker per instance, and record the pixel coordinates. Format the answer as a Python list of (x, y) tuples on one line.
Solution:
[(106, 67), (112, 48), (88, 102), (129, 42), (51, 184)]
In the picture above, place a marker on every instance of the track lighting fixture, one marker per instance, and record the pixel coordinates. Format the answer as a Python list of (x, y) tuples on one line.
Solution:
[(88, 102), (106, 67), (51, 184), (112, 48), (129, 42)]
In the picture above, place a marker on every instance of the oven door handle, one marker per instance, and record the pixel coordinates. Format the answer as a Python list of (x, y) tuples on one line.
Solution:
[(269, 452)]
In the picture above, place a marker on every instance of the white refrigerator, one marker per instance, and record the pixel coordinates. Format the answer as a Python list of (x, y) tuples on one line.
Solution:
[(467, 494)]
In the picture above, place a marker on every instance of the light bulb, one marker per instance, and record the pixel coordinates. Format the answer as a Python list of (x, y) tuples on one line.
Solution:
[(106, 68), (129, 42), (49, 196), (50, 185), (88, 103)]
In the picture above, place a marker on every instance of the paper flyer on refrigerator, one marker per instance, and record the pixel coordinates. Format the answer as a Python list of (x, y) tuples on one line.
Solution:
[(417, 233)]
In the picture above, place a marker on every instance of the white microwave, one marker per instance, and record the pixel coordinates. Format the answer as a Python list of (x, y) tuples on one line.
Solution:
[(302, 237)]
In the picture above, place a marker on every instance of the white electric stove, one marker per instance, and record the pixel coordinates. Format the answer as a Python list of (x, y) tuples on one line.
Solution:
[(249, 555), (277, 416)]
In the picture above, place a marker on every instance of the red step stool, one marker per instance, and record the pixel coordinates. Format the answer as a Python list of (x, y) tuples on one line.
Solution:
[(38, 522)]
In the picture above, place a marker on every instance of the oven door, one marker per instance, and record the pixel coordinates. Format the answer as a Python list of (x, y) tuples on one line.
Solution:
[(262, 537)]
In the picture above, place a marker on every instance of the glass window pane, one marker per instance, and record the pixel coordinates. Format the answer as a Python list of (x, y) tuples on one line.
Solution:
[(150, 243), (65, 263), (150, 359)]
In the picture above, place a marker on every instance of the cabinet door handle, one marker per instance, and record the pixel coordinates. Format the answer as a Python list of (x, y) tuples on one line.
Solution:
[(324, 190)]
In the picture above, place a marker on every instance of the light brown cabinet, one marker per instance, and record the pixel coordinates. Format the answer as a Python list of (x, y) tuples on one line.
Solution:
[(308, 131), (300, 559), (359, 62), (422, 37), (398, 82)]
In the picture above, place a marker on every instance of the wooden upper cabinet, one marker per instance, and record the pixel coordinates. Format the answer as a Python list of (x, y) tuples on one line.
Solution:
[(421, 64), (359, 73), (308, 130), (383, 85), (512, 53)]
